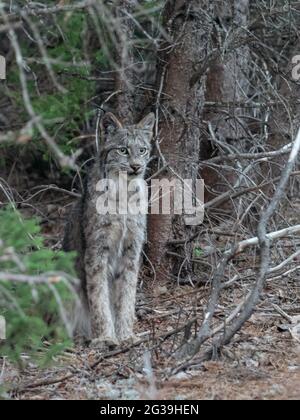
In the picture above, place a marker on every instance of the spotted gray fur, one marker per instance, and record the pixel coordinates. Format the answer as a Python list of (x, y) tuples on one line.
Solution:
[(109, 246)]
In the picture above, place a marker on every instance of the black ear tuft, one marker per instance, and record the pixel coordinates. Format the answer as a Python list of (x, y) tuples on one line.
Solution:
[(147, 123), (110, 123)]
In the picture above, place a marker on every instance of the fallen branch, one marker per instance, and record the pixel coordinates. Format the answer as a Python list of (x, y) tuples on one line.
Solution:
[(22, 278), (21, 137), (284, 263), (229, 195), (249, 156), (241, 246), (263, 240), (117, 352), (46, 382), (270, 237), (36, 9)]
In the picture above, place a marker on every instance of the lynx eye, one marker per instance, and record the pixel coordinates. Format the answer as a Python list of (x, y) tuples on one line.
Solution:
[(123, 151), (143, 151)]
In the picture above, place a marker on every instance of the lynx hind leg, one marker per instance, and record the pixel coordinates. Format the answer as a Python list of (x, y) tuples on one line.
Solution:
[(82, 331)]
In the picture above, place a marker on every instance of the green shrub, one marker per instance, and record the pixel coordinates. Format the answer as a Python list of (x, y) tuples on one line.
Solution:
[(32, 311)]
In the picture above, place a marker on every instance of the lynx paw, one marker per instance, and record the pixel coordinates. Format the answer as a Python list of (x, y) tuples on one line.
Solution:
[(130, 340), (81, 341), (104, 343)]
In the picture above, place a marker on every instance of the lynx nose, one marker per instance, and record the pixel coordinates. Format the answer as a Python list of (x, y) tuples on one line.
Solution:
[(136, 167)]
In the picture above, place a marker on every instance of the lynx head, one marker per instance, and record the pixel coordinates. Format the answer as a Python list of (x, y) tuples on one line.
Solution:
[(126, 149)]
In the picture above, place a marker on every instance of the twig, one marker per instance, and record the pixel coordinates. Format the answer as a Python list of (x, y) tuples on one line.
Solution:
[(282, 313), (264, 240), (22, 278), (270, 237)]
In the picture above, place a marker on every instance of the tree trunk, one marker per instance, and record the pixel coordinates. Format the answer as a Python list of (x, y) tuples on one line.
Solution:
[(227, 89), (285, 119), (125, 75), (182, 76), (284, 115)]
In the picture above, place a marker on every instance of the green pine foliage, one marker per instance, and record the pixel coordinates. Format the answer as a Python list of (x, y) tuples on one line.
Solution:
[(63, 112), (31, 310)]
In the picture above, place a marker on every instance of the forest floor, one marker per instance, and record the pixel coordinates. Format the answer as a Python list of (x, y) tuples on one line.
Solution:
[(262, 361)]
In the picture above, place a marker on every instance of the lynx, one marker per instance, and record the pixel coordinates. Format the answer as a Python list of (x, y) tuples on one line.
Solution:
[(109, 246)]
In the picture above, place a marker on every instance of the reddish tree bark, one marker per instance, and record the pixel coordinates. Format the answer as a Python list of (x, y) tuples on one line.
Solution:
[(182, 75)]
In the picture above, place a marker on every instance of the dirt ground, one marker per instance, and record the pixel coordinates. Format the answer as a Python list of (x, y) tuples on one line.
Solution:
[(262, 361)]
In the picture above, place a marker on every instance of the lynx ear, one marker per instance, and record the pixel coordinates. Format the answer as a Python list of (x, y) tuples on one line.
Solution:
[(147, 123), (110, 123)]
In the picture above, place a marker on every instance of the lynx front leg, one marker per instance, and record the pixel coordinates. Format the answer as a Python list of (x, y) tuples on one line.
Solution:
[(125, 285), (125, 296), (98, 290)]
